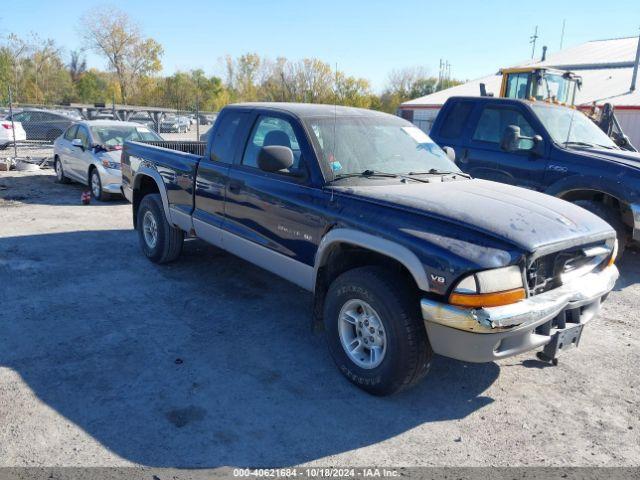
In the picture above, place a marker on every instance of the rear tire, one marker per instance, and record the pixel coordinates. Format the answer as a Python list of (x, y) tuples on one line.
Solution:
[(60, 176), (160, 241), (394, 325), (612, 217)]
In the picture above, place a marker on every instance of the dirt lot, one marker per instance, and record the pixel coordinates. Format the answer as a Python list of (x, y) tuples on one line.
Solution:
[(107, 359)]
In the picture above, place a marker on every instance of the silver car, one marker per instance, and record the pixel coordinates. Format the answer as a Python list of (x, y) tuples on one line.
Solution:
[(89, 152)]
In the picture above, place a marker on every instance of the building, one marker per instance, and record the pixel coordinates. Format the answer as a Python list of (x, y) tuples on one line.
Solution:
[(606, 68)]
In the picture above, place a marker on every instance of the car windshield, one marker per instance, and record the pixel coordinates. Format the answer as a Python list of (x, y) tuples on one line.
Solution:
[(114, 135), (568, 126), (353, 145)]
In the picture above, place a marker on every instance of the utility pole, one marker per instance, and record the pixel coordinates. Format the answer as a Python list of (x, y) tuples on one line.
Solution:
[(532, 40), (564, 22)]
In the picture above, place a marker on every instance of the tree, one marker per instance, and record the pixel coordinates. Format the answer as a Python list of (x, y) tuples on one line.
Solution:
[(92, 87), (409, 83), (77, 65), (112, 34)]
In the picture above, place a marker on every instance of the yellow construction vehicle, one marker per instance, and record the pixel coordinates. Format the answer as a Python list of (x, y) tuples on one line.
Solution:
[(540, 83)]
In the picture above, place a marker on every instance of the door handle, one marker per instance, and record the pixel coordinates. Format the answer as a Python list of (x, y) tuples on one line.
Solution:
[(235, 185)]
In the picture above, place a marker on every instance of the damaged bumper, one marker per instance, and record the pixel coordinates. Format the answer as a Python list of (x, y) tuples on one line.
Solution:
[(488, 334)]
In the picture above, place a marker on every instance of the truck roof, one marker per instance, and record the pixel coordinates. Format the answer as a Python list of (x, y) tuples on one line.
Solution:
[(306, 110), (475, 98)]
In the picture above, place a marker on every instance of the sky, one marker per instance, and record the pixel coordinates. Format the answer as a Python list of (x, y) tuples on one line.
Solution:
[(363, 38)]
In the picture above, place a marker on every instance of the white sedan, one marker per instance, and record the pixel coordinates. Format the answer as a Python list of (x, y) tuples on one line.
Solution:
[(10, 131), (89, 152)]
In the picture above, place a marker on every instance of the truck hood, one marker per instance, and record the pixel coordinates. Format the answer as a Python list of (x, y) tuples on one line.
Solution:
[(524, 218), (621, 157)]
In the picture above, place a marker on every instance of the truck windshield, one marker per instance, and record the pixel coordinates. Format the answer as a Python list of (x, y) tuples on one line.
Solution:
[(352, 145), (567, 126)]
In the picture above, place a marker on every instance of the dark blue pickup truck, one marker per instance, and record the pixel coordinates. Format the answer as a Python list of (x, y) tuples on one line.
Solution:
[(545, 147), (405, 254)]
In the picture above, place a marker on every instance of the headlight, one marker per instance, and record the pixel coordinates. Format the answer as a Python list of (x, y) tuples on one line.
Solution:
[(110, 164), (490, 288)]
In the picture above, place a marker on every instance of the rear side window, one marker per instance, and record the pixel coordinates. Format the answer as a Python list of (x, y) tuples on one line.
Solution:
[(70, 133), (222, 146), (455, 120)]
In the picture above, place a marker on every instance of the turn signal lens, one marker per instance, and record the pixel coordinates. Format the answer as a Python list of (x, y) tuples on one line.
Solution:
[(614, 254), (495, 299)]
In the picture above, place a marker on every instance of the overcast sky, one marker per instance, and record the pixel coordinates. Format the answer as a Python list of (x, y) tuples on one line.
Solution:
[(365, 38)]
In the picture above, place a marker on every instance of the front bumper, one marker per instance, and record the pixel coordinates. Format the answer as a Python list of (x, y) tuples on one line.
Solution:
[(635, 210), (488, 334), (111, 179)]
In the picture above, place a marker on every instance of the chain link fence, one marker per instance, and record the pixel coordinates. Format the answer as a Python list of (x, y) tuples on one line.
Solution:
[(28, 132)]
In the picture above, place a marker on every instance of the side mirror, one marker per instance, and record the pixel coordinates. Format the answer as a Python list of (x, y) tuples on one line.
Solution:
[(538, 146), (451, 153), (510, 139), (275, 158), (76, 142)]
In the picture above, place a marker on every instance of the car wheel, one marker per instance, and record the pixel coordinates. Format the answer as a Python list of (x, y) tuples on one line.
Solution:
[(160, 241), (375, 332), (612, 217), (4, 146), (60, 176), (95, 184)]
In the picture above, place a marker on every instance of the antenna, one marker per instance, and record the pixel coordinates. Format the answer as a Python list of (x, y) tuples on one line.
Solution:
[(564, 22), (532, 40), (335, 120)]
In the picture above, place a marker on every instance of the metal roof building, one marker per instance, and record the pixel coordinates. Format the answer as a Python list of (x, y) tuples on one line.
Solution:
[(606, 68)]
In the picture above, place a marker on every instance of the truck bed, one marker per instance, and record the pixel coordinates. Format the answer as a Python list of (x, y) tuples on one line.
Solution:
[(193, 147)]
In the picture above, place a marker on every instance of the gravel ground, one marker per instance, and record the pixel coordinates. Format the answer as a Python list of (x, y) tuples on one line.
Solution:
[(109, 360)]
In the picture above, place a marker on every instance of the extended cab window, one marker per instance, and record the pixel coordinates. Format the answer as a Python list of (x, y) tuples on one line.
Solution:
[(493, 122), (222, 146), (455, 120), (271, 131)]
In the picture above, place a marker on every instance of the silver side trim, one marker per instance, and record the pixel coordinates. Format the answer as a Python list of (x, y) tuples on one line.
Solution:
[(181, 220), (283, 266), (149, 172), (377, 244), (208, 233)]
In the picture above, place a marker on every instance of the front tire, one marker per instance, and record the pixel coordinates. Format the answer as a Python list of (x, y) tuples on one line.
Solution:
[(95, 184), (160, 241), (375, 333), (60, 176), (612, 217)]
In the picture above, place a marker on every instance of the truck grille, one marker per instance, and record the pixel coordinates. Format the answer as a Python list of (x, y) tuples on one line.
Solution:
[(551, 271)]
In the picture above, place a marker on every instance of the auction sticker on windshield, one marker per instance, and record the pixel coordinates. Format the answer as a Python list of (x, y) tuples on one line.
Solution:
[(418, 135)]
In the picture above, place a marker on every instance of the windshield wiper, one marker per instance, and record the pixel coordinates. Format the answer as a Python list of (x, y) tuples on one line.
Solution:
[(374, 173), (578, 144), (435, 171)]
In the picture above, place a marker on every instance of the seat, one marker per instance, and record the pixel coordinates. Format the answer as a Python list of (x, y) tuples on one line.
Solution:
[(276, 137)]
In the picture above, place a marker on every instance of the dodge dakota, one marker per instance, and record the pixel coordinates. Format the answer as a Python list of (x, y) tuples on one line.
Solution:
[(405, 255)]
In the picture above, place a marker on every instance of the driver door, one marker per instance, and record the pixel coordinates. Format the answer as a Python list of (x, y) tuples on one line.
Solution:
[(522, 167), (81, 157), (269, 217)]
